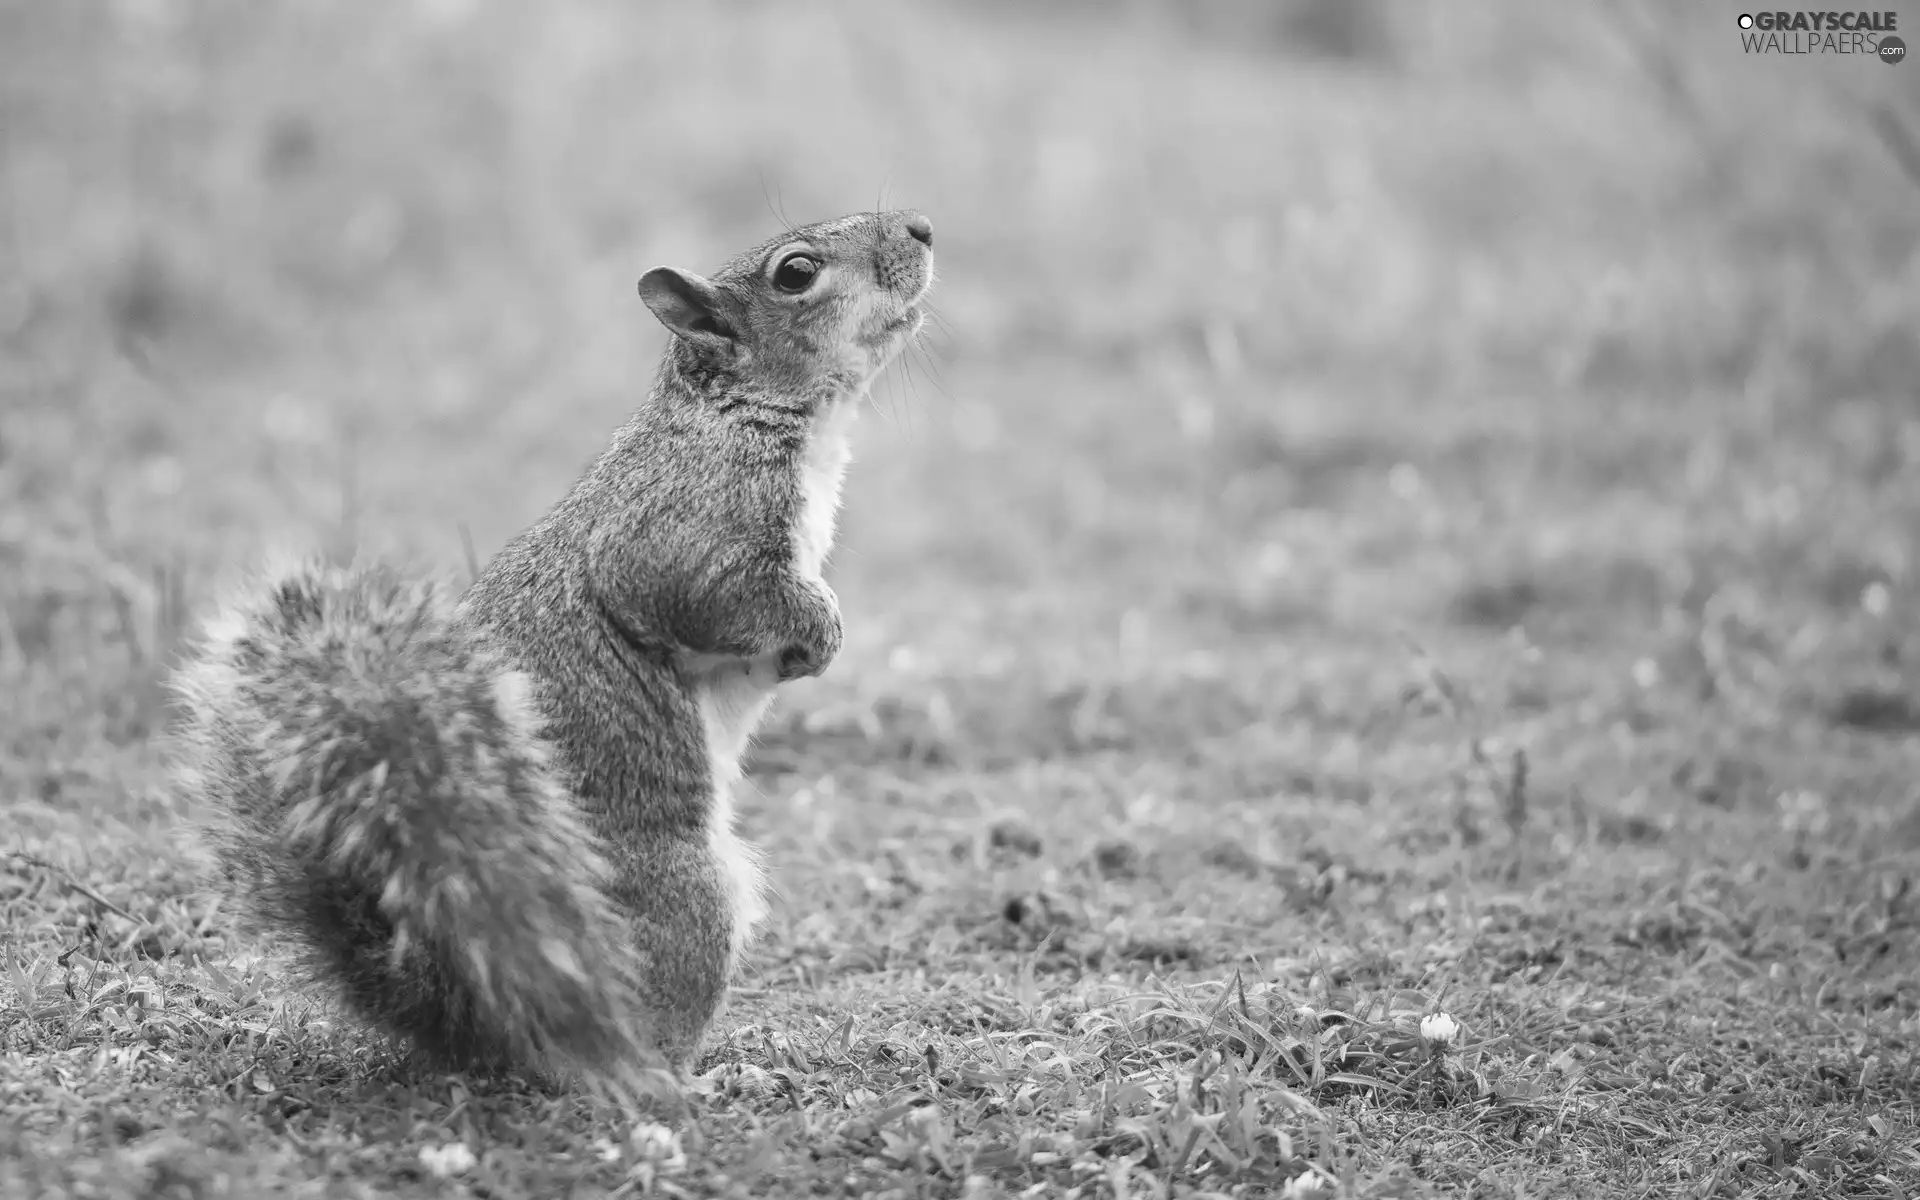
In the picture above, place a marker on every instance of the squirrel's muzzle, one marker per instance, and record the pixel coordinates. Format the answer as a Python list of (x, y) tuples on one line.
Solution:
[(905, 257)]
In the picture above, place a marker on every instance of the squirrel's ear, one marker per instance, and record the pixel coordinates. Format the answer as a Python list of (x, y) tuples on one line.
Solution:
[(690, 306)]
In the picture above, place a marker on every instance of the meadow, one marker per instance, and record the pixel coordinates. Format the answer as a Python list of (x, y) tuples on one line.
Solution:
[(1407, 510)]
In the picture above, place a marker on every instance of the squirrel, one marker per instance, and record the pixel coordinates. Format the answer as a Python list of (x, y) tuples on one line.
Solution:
[(500, 822)]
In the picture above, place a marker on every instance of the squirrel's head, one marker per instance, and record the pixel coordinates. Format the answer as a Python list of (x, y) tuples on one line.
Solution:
[(815, 312)]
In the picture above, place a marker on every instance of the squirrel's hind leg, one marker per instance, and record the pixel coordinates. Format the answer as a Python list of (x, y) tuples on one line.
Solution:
[(385, 799), (683, 928)]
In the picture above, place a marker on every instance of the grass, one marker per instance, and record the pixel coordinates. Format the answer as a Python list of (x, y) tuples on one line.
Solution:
[(1361, 548)]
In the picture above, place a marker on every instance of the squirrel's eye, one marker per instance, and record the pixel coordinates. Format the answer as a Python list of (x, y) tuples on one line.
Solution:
[(796, 273)]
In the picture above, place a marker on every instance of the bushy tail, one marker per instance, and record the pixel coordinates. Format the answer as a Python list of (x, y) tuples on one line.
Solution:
[(385, 799)]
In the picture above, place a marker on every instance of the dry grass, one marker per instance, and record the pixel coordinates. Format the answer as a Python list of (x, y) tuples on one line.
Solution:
[(1363, 545)]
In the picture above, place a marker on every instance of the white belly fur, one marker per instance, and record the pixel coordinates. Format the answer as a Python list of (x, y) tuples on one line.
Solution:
[(733, 693), (821, 469)]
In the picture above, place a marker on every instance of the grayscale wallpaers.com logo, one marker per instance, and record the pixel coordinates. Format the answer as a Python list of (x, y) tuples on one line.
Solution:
[(1865, 33)]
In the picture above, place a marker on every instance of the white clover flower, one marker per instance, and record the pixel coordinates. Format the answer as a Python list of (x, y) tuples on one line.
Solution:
[(1440, 1029), (451, 1159), (1308, 1185), (656, 1145)]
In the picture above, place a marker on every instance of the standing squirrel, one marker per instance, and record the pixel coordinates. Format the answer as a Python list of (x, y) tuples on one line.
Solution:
[(502, 823)]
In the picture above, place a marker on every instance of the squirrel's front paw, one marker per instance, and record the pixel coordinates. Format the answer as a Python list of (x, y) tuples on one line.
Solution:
[(799, 662), (816, 633)]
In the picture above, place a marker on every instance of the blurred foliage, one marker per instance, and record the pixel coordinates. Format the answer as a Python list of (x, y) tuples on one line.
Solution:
[(1403, 494), (1455, 194), (264, 264)]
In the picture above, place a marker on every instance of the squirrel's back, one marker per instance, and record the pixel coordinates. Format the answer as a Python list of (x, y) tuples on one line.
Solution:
[(388, 802)]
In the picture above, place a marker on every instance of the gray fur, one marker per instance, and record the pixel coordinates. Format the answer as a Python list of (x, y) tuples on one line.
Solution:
[(493, 824)]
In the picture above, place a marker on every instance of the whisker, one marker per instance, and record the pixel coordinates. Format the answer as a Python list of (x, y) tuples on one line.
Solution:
[(907, 408), (913, 384), (938, 319), (893, 402), (937, 350), (778, 212), (932, 366)]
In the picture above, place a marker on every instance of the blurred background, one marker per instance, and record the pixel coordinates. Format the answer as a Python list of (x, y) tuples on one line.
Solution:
[(1266, 329), (1401, 494)]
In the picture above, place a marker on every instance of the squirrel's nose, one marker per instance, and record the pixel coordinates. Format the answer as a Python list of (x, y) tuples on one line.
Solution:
[(920, 230)]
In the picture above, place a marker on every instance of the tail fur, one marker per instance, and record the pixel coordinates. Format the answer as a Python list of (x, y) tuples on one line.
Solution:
[(386, 800)]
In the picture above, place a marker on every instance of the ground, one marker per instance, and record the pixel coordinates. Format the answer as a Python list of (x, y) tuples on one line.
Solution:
[(1382, 653)]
